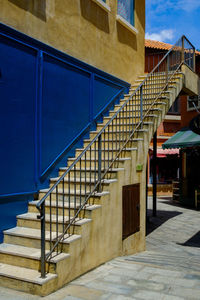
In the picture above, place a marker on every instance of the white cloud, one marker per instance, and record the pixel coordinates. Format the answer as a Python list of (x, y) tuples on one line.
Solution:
[(162, 36), (189, 5), (160, 6)]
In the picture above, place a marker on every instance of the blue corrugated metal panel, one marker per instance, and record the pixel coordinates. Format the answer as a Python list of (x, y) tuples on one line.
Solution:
[(49, 101)]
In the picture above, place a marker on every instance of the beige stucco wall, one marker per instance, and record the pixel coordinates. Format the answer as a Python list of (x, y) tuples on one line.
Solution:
[(83, 29), (191, 81)]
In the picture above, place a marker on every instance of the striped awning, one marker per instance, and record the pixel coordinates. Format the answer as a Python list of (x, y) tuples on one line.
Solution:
[(182, 139)]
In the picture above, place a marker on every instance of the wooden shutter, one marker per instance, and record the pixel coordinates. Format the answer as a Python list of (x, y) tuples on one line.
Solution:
[(131, 209)]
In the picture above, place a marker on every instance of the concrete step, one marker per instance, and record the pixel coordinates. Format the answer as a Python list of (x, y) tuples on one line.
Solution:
[(70, 195), (135, 112), (30, 237), (117, 144), (112, 173), (92, 162), (158, 82), (154, 88), (112, 136), (119, 125), (57, 207), (87, 182), (161, 76), (27, 280), (152, 94), (136, 99), (31, 220), (110, 152), (117, 106), (27, 257)]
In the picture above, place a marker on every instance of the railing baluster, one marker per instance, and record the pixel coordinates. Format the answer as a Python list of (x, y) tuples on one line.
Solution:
[(112, 139), (104, 152), (50, 224), (69, 204), (141, 104), (95, 161), (90, 170), (57, 216), (108, 147), (75, 189), (85, 177), (99, 162), (80, 183), (43, 241), (63, 203)]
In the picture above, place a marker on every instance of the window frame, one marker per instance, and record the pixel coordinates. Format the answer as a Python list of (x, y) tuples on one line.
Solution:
[(103, 4), (193, 108), (125, 22), (175, 111)]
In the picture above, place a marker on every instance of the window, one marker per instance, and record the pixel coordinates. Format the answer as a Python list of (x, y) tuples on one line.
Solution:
[(193, 102), (175, 108), (126, 10)]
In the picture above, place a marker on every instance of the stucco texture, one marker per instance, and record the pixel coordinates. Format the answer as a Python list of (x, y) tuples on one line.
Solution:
[(82, 29)]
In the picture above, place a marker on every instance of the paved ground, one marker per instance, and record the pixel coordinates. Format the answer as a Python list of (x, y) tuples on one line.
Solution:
[(168, 270)]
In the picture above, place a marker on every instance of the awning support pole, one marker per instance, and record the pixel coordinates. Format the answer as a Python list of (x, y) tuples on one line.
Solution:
[(147, 169), (154, 174)]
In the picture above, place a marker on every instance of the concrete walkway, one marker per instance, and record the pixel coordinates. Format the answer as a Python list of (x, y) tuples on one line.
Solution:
[(169, 269)]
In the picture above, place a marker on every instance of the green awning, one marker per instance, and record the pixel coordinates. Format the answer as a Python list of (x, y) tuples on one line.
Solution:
[(182, 139)]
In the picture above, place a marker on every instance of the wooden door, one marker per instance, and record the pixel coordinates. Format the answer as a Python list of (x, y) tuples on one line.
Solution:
[(131, 209)]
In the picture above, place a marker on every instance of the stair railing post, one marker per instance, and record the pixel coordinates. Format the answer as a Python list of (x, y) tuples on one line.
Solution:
[(141, 105), (183, 51), (43, 263), (99, 162), (155, 174), (194, 60), (167, 69)]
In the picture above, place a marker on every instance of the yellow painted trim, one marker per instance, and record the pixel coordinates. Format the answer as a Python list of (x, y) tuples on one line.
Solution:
[(103, 5), (126, 24)]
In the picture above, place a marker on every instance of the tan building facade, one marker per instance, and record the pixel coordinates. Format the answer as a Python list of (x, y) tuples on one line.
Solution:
[(84, 29)]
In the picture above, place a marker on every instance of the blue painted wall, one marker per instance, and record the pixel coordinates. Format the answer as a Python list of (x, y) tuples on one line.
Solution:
[(49, 102)]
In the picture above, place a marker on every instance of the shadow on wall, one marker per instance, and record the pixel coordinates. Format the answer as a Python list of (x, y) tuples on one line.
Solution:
[(93, 13), (126, 37), (35, 7)]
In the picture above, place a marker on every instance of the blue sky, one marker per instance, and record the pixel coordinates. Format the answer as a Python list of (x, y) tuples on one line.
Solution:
[(167, 20)]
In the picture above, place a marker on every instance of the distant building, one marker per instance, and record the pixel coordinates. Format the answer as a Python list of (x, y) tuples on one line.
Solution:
[(182, 111)]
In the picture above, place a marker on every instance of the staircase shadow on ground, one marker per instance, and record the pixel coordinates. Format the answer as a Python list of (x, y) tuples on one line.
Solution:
[(162, 216), (194, 241), (168, 200)]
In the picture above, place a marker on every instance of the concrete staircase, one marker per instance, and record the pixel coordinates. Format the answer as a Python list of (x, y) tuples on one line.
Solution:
[(96, 236)]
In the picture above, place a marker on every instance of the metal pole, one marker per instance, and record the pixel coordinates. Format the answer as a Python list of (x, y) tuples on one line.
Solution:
[(99, 162), (43, 262), (141, 104), (167, 69), (154, 174), (183, 50), (146, 194), (194, 60)]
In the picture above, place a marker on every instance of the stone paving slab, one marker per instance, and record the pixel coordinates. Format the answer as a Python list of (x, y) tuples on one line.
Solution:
[(168, 270)]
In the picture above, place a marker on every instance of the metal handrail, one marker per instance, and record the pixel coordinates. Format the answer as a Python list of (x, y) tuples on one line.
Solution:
[(134, 115)]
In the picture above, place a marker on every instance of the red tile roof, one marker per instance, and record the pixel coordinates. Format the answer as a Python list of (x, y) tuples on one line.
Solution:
[(160, 45), (157, 45)]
